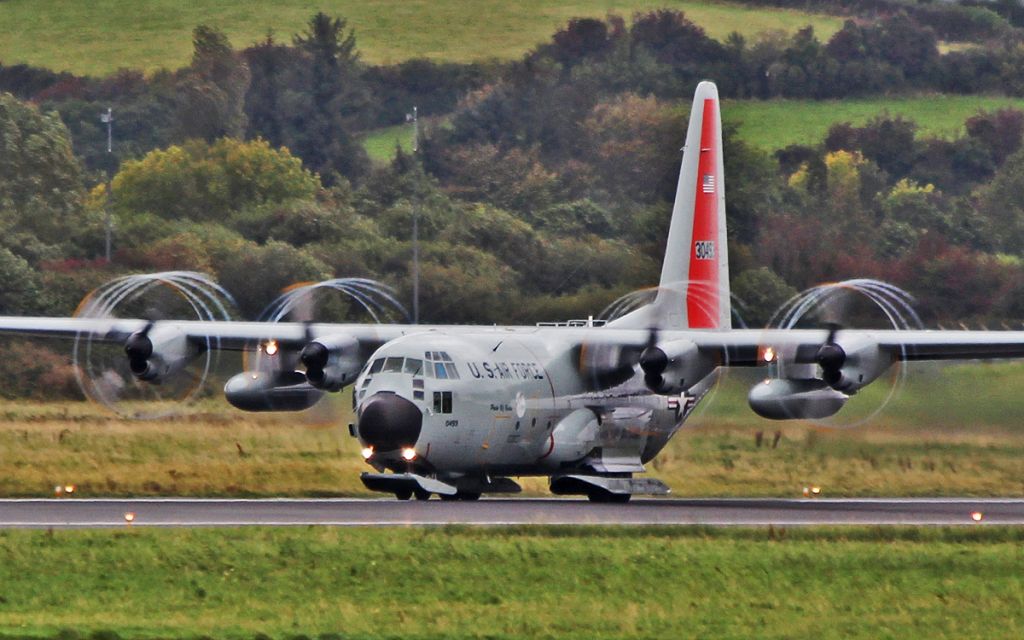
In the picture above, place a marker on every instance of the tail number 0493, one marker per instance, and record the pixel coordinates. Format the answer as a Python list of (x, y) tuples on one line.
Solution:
[(704, 249)]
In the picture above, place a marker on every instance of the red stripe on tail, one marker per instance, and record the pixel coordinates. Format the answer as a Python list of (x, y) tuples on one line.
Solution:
[(702, 294)]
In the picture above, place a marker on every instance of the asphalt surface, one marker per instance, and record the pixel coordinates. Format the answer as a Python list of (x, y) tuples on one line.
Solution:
[(182, 512)]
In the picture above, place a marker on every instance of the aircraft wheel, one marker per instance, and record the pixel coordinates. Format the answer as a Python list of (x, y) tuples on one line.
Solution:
[(606, 497), (404, 494), (467, 496), (448, 498), (421, 494)]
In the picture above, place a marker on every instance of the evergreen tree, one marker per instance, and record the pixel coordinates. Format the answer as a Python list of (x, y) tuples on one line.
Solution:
[(334, 99)]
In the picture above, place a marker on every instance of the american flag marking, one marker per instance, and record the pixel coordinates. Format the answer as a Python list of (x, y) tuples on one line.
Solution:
[(708, 184)]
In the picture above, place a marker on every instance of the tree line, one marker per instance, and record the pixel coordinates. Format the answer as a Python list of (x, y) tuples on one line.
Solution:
[(545, 192)]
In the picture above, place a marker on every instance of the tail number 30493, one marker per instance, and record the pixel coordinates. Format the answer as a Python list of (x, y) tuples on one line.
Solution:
[(704, 249)]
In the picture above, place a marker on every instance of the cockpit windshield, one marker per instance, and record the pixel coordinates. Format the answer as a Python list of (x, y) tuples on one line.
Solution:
[(437, 364)]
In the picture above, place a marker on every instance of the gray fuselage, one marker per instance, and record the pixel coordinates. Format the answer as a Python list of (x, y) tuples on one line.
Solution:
[(510, 402)]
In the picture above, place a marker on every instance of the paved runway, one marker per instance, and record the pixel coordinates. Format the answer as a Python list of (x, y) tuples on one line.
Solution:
[(182, 512)]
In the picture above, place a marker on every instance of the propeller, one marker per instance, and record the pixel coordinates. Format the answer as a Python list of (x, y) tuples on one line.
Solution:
[(598, 360), (835, 306), (653, 360), (830, 356), (138, 347), (302, 302), (115, 374)]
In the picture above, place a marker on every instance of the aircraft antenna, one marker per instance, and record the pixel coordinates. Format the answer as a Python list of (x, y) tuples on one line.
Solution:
[(108, 119), (414, 118)]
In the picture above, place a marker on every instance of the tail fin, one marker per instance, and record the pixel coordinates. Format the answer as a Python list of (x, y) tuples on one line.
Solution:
[(694, 288)]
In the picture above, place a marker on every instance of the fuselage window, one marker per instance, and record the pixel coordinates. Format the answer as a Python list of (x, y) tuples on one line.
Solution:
[(378, 364), (417, 394), (393, 365), (442, 402), (414, 366), (366, 381)]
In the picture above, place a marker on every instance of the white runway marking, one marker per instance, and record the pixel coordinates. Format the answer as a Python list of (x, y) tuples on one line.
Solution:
[(187, 512)]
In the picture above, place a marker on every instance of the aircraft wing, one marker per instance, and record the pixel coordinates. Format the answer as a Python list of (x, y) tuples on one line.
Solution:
[(745, 347), (737, 347), (225, 335)]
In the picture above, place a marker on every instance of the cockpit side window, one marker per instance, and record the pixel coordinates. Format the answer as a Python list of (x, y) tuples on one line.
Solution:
[(442, 402), (453, 373), (378, 364), (440, 371), (393, 365), (414, 366)]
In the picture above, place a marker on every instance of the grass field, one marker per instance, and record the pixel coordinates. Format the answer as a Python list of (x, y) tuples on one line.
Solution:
[(380, 143), (952, 431), (514, 583), (773, 124), (100, 36)]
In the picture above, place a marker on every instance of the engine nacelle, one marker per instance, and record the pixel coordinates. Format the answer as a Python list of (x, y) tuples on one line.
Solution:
[(332, 362), (673, 367), (851, 365), (271, 391), (801, 399), (157, 353)]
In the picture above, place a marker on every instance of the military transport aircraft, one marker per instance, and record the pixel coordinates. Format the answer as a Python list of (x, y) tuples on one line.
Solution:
[(460, 410)]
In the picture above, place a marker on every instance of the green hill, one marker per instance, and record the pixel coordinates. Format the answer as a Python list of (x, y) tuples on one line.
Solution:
[(774, 124), (100, 36)]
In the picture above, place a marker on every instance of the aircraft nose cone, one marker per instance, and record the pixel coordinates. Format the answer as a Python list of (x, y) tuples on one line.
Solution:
[(390, 422)]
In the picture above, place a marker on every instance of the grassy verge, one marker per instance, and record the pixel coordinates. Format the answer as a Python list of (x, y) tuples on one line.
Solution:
[(101, 36), (773, 124), (953, 430), (513, 583)]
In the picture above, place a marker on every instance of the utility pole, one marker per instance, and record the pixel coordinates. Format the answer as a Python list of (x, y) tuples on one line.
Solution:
[(415, 227), (108, 119)]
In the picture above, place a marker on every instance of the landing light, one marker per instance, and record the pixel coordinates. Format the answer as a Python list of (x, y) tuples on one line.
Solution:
[(367, 453), (408, 454), (768, 354), (271, 347)]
